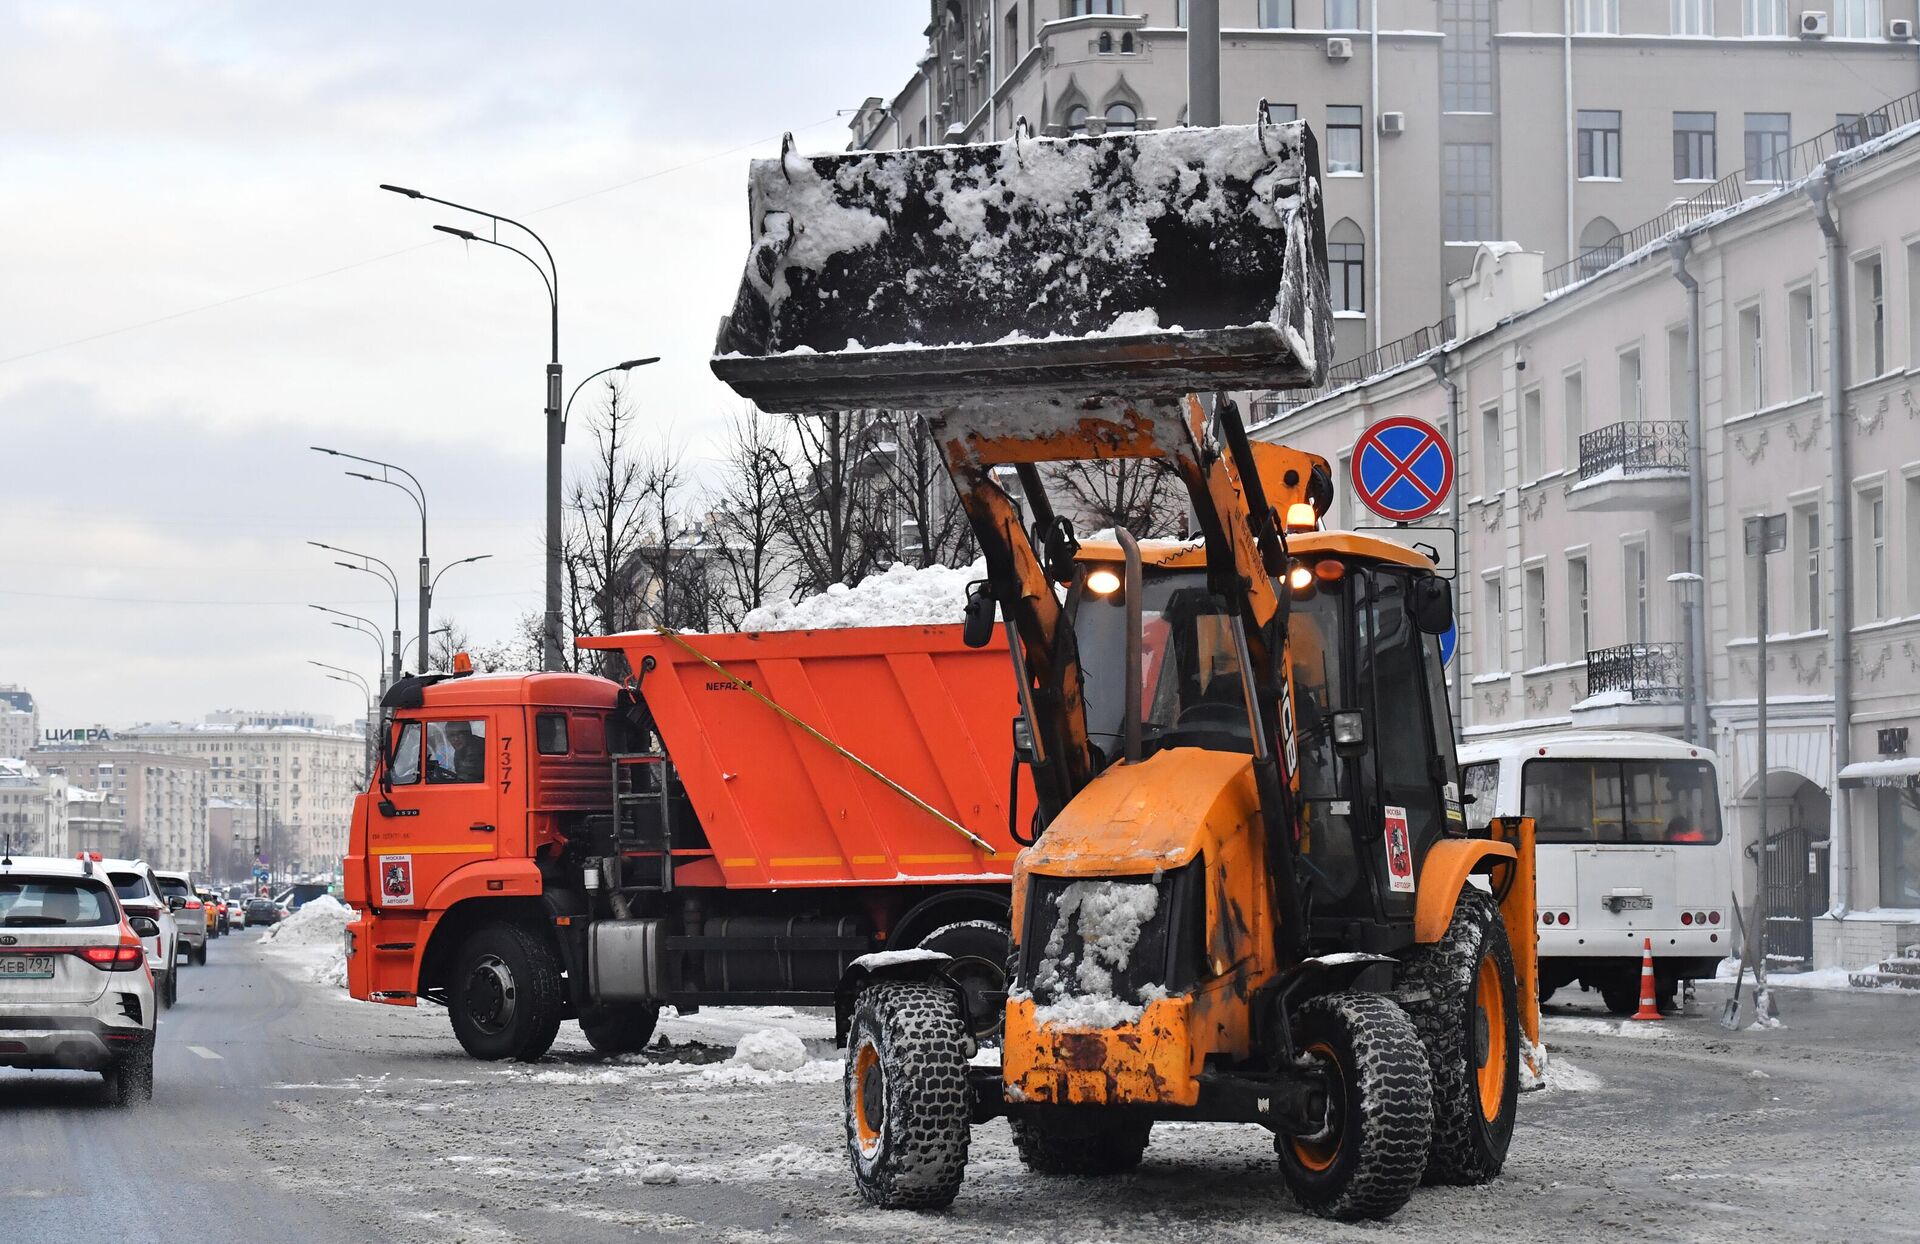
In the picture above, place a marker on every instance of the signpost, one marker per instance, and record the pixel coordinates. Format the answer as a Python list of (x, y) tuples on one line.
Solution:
[(1402, 469)]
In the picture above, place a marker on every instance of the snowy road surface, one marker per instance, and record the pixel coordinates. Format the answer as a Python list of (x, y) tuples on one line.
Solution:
[(361, 1122)]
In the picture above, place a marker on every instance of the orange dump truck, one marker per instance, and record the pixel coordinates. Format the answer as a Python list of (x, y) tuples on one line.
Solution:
[(733, 826)]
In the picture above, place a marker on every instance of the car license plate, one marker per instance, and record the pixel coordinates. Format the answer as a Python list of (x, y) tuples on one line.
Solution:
[(26, 967), (1632, 902)]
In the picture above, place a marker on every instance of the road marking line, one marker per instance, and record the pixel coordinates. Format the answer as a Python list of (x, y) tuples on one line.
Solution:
[(203, 1051)]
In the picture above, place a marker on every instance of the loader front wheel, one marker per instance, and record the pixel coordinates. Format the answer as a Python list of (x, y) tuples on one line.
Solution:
[(908, 1108), (1463, 998), (619, 1028), (1077, 1140), (1368, 1157), (505, 993)]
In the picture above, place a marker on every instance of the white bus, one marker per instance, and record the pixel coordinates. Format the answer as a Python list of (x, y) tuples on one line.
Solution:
[(1631, 845)]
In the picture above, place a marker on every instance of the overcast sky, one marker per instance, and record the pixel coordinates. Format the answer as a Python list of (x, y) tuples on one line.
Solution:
[(198, 280)]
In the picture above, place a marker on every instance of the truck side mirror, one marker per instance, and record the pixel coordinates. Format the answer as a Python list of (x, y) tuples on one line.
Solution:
[(977, 631), (1431, 602)]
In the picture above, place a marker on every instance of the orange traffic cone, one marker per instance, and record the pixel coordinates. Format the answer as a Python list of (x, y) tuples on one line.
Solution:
[(1649, 1009)]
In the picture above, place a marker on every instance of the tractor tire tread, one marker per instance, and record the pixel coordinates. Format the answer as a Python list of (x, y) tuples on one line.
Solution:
[(921, 1155)]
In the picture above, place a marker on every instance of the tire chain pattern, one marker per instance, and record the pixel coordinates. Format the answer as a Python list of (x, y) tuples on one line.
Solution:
[(928, 1112), (1463, 1153), (1054, 1141), (1389, 1072)]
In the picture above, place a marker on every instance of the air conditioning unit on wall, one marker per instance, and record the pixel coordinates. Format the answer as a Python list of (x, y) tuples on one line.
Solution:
[(1393, 123), (1900, 28), (1339, 49), (1813, 24)]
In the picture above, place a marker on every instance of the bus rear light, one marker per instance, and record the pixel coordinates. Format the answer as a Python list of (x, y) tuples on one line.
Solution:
[(1686, 917), (1699, 917), (1713, 917), (1546, 917), (1565, 919)]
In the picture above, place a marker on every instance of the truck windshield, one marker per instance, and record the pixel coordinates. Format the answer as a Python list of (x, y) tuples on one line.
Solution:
[(1621, 801), (1192, 689)]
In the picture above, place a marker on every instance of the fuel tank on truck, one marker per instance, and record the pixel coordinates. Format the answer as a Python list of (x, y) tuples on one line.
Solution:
[(789, 804)]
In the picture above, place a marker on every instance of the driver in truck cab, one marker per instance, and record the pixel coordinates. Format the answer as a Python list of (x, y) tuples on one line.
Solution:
[(458, 755)]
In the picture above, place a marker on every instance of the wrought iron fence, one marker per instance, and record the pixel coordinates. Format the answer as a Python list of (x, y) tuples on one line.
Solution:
[(1644, 671), (1350, 371), (1634, 447), (1792, 164)]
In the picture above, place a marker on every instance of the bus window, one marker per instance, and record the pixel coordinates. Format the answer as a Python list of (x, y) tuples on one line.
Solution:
[(1482, 781), (1621, 801)]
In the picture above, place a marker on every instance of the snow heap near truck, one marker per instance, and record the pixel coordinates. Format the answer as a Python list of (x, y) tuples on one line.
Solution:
[(315, 938), (900, 595)]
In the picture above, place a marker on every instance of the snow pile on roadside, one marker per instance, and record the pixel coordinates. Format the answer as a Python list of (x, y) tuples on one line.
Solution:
[(1567, 1078), (900, 595), (772, 1056), (1109, 916), (314, 938), (1818, 978)]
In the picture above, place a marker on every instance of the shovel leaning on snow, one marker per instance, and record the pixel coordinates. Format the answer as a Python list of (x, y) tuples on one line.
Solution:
[(1765, 1013), (1730, 1017)]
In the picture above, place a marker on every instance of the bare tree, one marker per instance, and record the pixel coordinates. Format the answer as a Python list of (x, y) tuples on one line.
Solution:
[(829, 501), (745, 518), (1142, 495), (607, 516), (930, 528)]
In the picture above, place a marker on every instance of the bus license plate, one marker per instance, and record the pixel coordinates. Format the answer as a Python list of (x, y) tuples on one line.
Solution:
[(26, 967), (1633, 902)]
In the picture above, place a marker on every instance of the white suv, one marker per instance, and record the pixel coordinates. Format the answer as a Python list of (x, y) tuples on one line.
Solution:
[(139, 892), (76, 991)]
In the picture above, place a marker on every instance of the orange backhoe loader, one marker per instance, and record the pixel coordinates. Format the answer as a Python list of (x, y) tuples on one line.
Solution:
[(1251, 894)]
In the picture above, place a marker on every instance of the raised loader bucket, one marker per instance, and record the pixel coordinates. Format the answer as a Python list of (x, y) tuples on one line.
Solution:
[(1145, 264)]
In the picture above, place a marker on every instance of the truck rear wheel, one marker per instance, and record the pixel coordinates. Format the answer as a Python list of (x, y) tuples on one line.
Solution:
[(980, 950), (504, 993), (1368, 1158), (1074, 1140), (619, 1027), (909, 1110), (1469, 1022)]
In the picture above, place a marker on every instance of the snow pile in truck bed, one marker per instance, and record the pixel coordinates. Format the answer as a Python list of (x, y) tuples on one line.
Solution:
[(1109, 917), (900, 595)]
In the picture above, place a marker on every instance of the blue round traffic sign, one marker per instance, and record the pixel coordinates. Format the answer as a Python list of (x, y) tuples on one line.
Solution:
[(1402, 469), (1449, 640)]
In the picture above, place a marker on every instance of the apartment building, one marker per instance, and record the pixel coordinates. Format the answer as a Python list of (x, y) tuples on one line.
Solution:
[(33, 810), (19, 721), (1569, 408), (1554, 123), (157, 800), (301, 770)]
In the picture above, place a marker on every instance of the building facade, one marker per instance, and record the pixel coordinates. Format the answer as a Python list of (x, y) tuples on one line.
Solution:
[(159, 800), (1570, 416), (95, 822), (33, 810), (302, 776), (1554, 123), (19, 721)]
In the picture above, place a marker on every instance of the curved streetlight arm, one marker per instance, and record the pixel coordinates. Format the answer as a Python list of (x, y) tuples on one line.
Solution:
[(419, 489), (553, 292), (435, 585), (344, 614), (378, 641), (341, 670), (629, 365), (493, 216)]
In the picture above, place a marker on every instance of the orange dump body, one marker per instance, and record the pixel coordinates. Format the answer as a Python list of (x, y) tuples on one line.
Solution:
[(782, 808)]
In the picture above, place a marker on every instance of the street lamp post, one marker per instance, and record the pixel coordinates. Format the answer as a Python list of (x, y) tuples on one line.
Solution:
[(389, 578), (338, 674), (417, 493), (432, 589), (363, 626), (550, 277)]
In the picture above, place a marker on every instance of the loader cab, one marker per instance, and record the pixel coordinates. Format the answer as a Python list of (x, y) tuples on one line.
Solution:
[(1379, 782)]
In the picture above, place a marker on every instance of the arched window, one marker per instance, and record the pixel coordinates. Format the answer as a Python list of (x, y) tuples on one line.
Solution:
[(1126, 44), (1121, 116), (1077, 119), (1599, 245), (1106, 41), (1347, 267)]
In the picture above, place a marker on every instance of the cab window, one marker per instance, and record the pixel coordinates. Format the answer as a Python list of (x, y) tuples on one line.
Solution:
[(456, 752), (550, 734), (404, 770)]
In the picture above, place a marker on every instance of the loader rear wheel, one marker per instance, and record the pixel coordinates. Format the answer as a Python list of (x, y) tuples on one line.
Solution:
[(909, 1110), (619, 1028), (1368, 1158), (1464, 1000), (1068, 1140), (980, 950), (504, 993)]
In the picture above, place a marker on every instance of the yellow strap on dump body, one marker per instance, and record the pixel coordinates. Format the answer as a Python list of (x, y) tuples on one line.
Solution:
[(676, 638)]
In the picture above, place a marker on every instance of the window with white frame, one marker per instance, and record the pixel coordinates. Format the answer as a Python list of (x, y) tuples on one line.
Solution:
[(1533, 436), (1343, 14), (1769, 138), (1747, 329), (1493, 455), (1466, 55), (1122, 116), (1347, 267), (1869, 318), (1802, 344), (1853, 128), (1466, 192), (1694, 146), (1493, 617), (1856, 19), (1346, 128), (1279, 113), (1084, 8), (1573, 410), (1803, 543), (1765, 19), (1599, 136), (1639, 592), (1691, 17), (1870, 586), (1597, 17), (1632, 407), (1276, 14), (1076, 119), (1579, 608), (1534, 601)]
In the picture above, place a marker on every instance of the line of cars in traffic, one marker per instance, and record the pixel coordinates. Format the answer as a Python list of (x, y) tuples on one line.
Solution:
[(90, 954)]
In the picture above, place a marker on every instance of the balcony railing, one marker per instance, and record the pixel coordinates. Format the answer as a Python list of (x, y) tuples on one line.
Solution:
[(1392, 355), (1644, 671), (1635, 448)]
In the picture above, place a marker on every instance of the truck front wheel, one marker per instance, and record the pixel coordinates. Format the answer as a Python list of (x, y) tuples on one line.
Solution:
[(504, 994), (619, 1027)]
